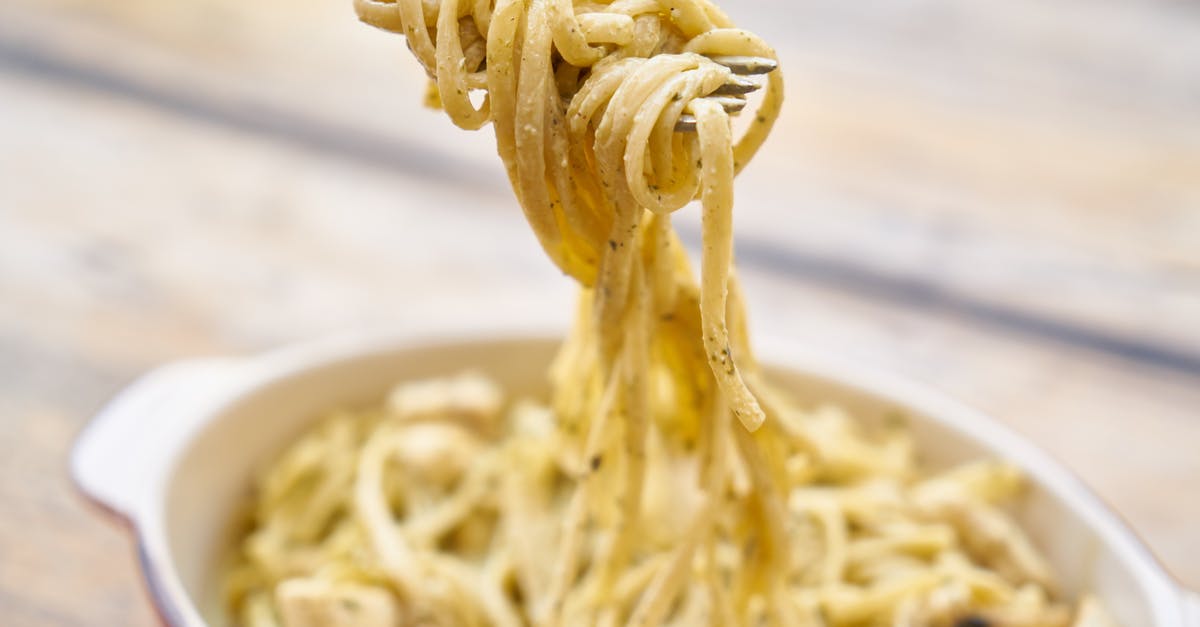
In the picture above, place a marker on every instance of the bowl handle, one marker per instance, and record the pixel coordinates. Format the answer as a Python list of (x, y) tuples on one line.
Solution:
[(1191, 608), (120, 452)]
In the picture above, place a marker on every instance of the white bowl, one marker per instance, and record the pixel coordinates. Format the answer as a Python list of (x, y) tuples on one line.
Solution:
[(175, 452)]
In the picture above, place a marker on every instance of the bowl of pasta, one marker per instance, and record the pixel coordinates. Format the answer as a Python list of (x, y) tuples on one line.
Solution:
[(404, 478)]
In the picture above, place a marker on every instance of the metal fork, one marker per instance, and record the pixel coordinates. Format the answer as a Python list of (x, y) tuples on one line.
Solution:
[(732, 95)]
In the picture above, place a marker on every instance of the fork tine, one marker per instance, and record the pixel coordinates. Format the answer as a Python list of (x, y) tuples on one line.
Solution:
[(731, 104), (737, 86), (746, 66)]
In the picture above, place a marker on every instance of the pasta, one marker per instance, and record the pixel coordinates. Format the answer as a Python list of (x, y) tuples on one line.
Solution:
[(666, 482)]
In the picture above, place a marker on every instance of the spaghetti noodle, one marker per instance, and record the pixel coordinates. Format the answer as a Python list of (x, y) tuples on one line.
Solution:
[(667, 483)]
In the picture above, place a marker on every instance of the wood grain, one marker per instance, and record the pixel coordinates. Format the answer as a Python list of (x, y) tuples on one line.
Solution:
[(963, 147), (182, 179)]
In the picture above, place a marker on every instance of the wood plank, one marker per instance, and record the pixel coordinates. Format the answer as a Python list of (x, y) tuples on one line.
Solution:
[(988, 151)]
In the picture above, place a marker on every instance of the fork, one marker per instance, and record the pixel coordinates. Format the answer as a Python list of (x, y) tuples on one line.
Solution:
[(732, 95)]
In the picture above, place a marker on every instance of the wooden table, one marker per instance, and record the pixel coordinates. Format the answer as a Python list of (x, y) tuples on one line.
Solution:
[(1002, 199)]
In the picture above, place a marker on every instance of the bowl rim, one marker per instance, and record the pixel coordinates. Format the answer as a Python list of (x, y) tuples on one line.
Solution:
[(1166, 595)]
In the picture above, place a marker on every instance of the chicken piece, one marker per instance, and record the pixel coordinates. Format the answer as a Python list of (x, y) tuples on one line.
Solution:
[(988, 481), (318, 603), (434, 455), (469, 398)]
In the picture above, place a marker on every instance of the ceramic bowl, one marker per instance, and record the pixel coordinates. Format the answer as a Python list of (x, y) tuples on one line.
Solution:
[(174, 455)]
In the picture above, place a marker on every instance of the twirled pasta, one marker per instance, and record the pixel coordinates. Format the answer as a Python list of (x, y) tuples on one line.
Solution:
[(583, 99), (637, 499)]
